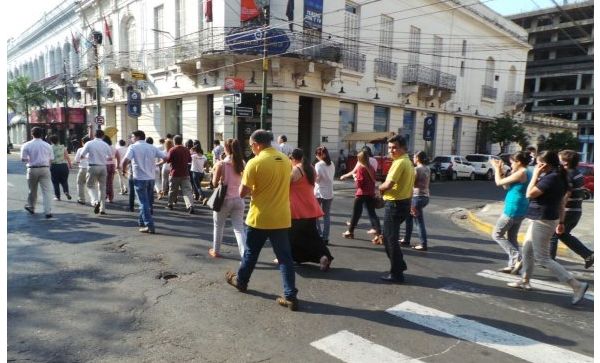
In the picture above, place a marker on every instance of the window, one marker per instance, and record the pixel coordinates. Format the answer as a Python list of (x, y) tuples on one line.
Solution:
[(179, 18), (130, 42), (381, 119), (414, 45), (408, 127), (464, 48), (490, 69), (200, 14), (456, 133), (386, 38), (438, 44), (347, 119), (158, 36), (462, 68), (351, 28)]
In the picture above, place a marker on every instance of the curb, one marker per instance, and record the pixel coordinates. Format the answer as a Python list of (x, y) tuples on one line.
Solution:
[(487, 228)]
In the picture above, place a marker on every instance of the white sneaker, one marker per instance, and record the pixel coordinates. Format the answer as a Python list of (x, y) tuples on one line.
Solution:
[(580, 293)]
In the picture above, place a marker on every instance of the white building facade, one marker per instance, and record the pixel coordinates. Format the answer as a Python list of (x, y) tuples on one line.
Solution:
[(334, 67)]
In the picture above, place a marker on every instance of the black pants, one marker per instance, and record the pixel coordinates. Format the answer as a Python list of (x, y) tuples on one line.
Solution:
[(571, 220), (59, 173), (357, 210), (396, 212)]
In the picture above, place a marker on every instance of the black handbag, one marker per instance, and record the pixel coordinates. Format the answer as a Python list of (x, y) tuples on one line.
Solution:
[(215, 202)]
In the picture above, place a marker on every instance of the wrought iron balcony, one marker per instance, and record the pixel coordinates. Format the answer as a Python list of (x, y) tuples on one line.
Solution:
[(513, 98), (354, 61), (419, 74), (385, 68), (489, 92)]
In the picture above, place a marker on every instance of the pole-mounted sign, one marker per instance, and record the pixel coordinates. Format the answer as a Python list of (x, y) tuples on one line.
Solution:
[(134, 103), (429, 128)]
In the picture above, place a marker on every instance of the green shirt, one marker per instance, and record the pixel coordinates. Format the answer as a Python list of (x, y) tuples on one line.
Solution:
[(59, 154), (402, 174)]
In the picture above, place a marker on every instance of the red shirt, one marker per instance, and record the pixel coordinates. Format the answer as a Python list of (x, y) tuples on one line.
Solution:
[(179, 157), (365, 185)]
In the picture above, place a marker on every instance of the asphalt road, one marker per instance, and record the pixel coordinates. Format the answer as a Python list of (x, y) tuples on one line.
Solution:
[(85, 288)]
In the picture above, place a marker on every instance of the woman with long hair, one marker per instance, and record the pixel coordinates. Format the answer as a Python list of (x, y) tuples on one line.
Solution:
[(307, 245), (546, 192), (165, 169), (59, 168), (420, 200), (515, 208), (197, 172), (324, 189), (364, 176), (229, 172)]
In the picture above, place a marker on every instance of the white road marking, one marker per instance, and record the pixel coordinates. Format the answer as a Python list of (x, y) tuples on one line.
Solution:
[(351, 348), (472, 331), (535, 284), (10, 184)]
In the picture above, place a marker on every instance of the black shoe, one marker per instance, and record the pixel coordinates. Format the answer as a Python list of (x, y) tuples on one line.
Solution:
[(190, 210), (288, 302), (589, 262), (103, 213), (29, 209), (170, 206), (147, 230), (131, 209), (68, 196), (392, 279), (79, 201), (48, 216), (97, 208)]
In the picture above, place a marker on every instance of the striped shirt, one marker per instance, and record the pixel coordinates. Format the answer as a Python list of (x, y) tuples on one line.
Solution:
[(576, 182)]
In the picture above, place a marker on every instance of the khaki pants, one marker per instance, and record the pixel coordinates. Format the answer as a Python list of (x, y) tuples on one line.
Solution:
[(81, 179), (96, 184), (39, 176), (123, 181), (186, 189)]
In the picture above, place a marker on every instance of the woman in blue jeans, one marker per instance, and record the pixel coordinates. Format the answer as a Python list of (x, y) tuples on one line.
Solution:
[(419, 201), (515, 207)]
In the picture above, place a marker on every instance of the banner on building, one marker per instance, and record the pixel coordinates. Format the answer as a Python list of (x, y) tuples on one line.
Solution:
[(249, 10), (57, 116), (208, 14), (313, 14)]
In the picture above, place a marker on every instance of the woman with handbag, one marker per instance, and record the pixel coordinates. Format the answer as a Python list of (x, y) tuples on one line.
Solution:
[(420, 200), (228, 173), (307, 245), (365, 194)]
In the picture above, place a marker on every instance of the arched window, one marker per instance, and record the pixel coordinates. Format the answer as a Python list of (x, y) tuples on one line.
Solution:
[(131, 43), (490, 69)]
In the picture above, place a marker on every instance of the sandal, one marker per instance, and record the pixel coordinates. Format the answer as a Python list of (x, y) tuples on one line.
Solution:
[(377, 240), (290, 303), (214, 254), (520, 285), (419, 248), (231, 278), (348, 234), (324, 263)]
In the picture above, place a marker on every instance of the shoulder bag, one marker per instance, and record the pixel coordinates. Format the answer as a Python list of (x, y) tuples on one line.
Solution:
[(215, 202)]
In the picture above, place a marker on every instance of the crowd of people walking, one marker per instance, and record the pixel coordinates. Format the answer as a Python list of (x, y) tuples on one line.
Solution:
[(291, 198)]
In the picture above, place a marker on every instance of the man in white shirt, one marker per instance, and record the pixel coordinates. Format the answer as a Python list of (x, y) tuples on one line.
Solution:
[(38, 154), (142, 157), (98, 154), (123, 182), (284, 147)]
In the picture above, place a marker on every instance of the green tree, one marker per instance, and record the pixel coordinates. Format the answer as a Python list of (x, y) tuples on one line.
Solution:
[(24, 94), (504, 130), (560, 141)]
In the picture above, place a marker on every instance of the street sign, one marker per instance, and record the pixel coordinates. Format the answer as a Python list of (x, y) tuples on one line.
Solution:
[(229, 99), (134, 104), (234, 84), (99, 120), (138, 75), (429, 128), (239, 111)]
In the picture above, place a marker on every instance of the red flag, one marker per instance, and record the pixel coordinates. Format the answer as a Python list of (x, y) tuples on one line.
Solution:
[(107, 31), (249, 10), (208, 15), (75, 42)]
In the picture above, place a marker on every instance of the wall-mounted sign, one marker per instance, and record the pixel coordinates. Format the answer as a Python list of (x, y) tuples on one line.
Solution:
[(250, 41), (230, 99), (99, 120), (134, 103), (313, 14), (234, 84), (239, 111), (429, 128)]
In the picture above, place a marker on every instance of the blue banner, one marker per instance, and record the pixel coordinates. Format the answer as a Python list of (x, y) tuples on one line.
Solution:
[(250, 41), (313, 14)]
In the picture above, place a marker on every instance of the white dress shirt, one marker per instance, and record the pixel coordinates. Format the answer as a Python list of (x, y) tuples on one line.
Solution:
[(82, 160), (142, 156), (98, 152), (37, 152)]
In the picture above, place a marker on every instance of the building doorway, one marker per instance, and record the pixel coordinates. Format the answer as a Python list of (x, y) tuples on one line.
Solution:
[(305, 124)]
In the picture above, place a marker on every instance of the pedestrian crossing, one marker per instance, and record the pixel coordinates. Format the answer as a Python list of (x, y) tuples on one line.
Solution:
[(352, 348)]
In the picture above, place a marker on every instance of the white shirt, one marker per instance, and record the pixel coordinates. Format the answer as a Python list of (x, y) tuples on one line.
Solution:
[(324, 183), (98, 152), (198, 162), (37, 152), (142, 156), (82, 160), (122, 150), (286, 148)]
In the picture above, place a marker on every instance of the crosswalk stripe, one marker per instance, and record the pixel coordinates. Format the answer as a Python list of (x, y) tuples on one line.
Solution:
[(351, 348), (536, 284), (472, 331)]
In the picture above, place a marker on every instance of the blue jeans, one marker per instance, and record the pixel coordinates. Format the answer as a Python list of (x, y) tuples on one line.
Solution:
[(131, 193), (419, 202), (396, 212), (144, 190), (196, 183), (505, 234), (255, 240), (326, 207)]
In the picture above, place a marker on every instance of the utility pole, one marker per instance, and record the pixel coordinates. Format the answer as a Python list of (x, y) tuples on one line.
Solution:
[(265, 68), (67, 141), (97, 40)]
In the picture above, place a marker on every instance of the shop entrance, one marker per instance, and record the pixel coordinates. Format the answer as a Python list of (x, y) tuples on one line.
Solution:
[(306, 125)]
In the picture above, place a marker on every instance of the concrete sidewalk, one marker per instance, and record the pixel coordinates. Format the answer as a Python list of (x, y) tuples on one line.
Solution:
[(484, 220)]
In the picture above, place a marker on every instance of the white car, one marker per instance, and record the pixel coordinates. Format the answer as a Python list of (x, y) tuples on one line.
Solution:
[(483, 166), (451, 167)]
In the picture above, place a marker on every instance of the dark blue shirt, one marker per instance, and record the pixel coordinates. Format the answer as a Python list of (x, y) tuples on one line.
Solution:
[(546, 206)]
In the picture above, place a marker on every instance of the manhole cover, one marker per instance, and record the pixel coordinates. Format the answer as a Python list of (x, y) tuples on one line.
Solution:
[(167, 275)]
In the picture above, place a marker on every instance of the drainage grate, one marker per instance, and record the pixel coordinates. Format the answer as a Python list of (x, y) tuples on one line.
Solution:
[(167, 275)]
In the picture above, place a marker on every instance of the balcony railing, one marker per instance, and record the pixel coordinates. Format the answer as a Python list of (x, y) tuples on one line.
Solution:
[(513, 98), (489, 92), (385, 68), (419, 74), (354, 61)]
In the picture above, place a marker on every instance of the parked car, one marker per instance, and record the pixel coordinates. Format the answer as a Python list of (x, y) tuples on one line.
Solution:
[(483, 166), (451, 167), (587, 170)]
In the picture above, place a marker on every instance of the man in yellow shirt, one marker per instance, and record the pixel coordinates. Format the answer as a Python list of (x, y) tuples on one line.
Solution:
[(397, 194), (267, 179)]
